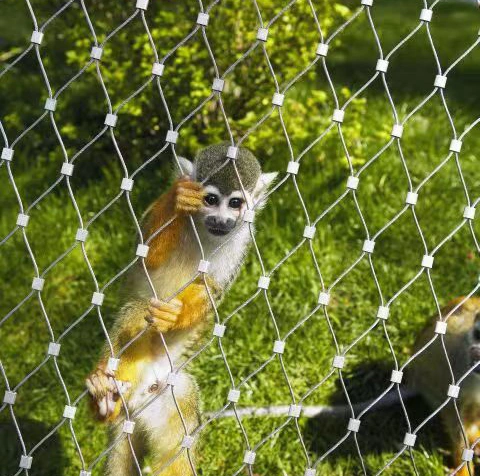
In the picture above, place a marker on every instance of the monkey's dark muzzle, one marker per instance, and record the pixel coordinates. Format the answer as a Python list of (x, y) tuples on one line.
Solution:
[(218, 227)]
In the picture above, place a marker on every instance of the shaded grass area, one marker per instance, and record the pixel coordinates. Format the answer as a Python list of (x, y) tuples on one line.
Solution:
[(295, 286)]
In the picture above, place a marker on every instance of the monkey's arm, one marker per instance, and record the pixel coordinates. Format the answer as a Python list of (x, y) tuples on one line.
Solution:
[(183, 198), (130, 323)]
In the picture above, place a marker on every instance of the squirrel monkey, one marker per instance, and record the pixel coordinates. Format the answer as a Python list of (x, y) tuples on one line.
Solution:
[(217, 209), (430, 377)]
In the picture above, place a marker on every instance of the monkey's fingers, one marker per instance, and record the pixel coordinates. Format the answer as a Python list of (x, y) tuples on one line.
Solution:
[(90, 387), (157, 315), (162, 324), (188, 204), (184, 178), (98, 384), (187, 182), (106, 406), (118, 387), (161, 320), (111, 403), (187, 193), (163, 315), (102, 407), (188, 210), (174, 305), (189, 198)]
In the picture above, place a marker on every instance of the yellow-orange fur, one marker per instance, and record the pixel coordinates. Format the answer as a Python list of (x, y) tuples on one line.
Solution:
[(145, 349), (182, 198)]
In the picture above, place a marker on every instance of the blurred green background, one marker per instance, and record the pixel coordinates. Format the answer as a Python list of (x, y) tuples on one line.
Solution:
[(294, 288)]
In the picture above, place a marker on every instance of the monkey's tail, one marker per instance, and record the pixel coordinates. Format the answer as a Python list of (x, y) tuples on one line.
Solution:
[(313, 411)]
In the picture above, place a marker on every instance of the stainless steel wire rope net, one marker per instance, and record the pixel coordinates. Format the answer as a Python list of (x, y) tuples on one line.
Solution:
[(293, 160)]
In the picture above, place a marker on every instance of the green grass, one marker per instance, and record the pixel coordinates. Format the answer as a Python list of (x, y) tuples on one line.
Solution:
[(24, 336)]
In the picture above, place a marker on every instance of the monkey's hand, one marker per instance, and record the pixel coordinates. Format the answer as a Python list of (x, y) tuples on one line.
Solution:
[(163, 315), (104, 392), (188, 195)]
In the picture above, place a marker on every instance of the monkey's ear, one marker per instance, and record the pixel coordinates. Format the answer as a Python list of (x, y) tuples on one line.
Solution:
[(264, 182), (188, 167)]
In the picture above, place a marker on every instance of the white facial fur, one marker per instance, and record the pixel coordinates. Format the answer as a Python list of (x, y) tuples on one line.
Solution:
[(224, 214)]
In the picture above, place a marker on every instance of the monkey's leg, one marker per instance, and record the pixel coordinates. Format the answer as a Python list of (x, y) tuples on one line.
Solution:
[(120, 459), (165, 441), (164, 429)]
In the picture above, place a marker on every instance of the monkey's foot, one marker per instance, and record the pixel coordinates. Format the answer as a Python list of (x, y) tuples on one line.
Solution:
[(105, 391), (163, 315), (188, 196)]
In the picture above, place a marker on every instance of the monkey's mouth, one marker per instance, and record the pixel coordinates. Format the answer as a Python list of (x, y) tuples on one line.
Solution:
[(218, 231)]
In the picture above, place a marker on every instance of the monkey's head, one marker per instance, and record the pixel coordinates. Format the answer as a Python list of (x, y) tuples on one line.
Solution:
[(225, 200)]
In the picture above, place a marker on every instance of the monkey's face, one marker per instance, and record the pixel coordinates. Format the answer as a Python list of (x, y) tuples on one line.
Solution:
[(228, 190), (221, 214), (475, 346)]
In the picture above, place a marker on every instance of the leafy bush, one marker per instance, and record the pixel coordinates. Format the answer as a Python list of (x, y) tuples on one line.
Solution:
[(189, 72)]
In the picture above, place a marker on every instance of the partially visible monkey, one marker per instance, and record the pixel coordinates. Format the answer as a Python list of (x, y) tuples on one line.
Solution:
[(430, 377), (217, 208)]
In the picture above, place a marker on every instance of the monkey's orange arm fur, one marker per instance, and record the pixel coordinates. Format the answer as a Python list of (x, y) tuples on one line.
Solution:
[(181, 199)]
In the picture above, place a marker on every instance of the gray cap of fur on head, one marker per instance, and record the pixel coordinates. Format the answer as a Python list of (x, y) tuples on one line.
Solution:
[(213, 157)]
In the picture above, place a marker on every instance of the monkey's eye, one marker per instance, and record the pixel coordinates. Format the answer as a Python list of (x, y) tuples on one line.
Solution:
[(153, 388), (211, 199), (235, 203)]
